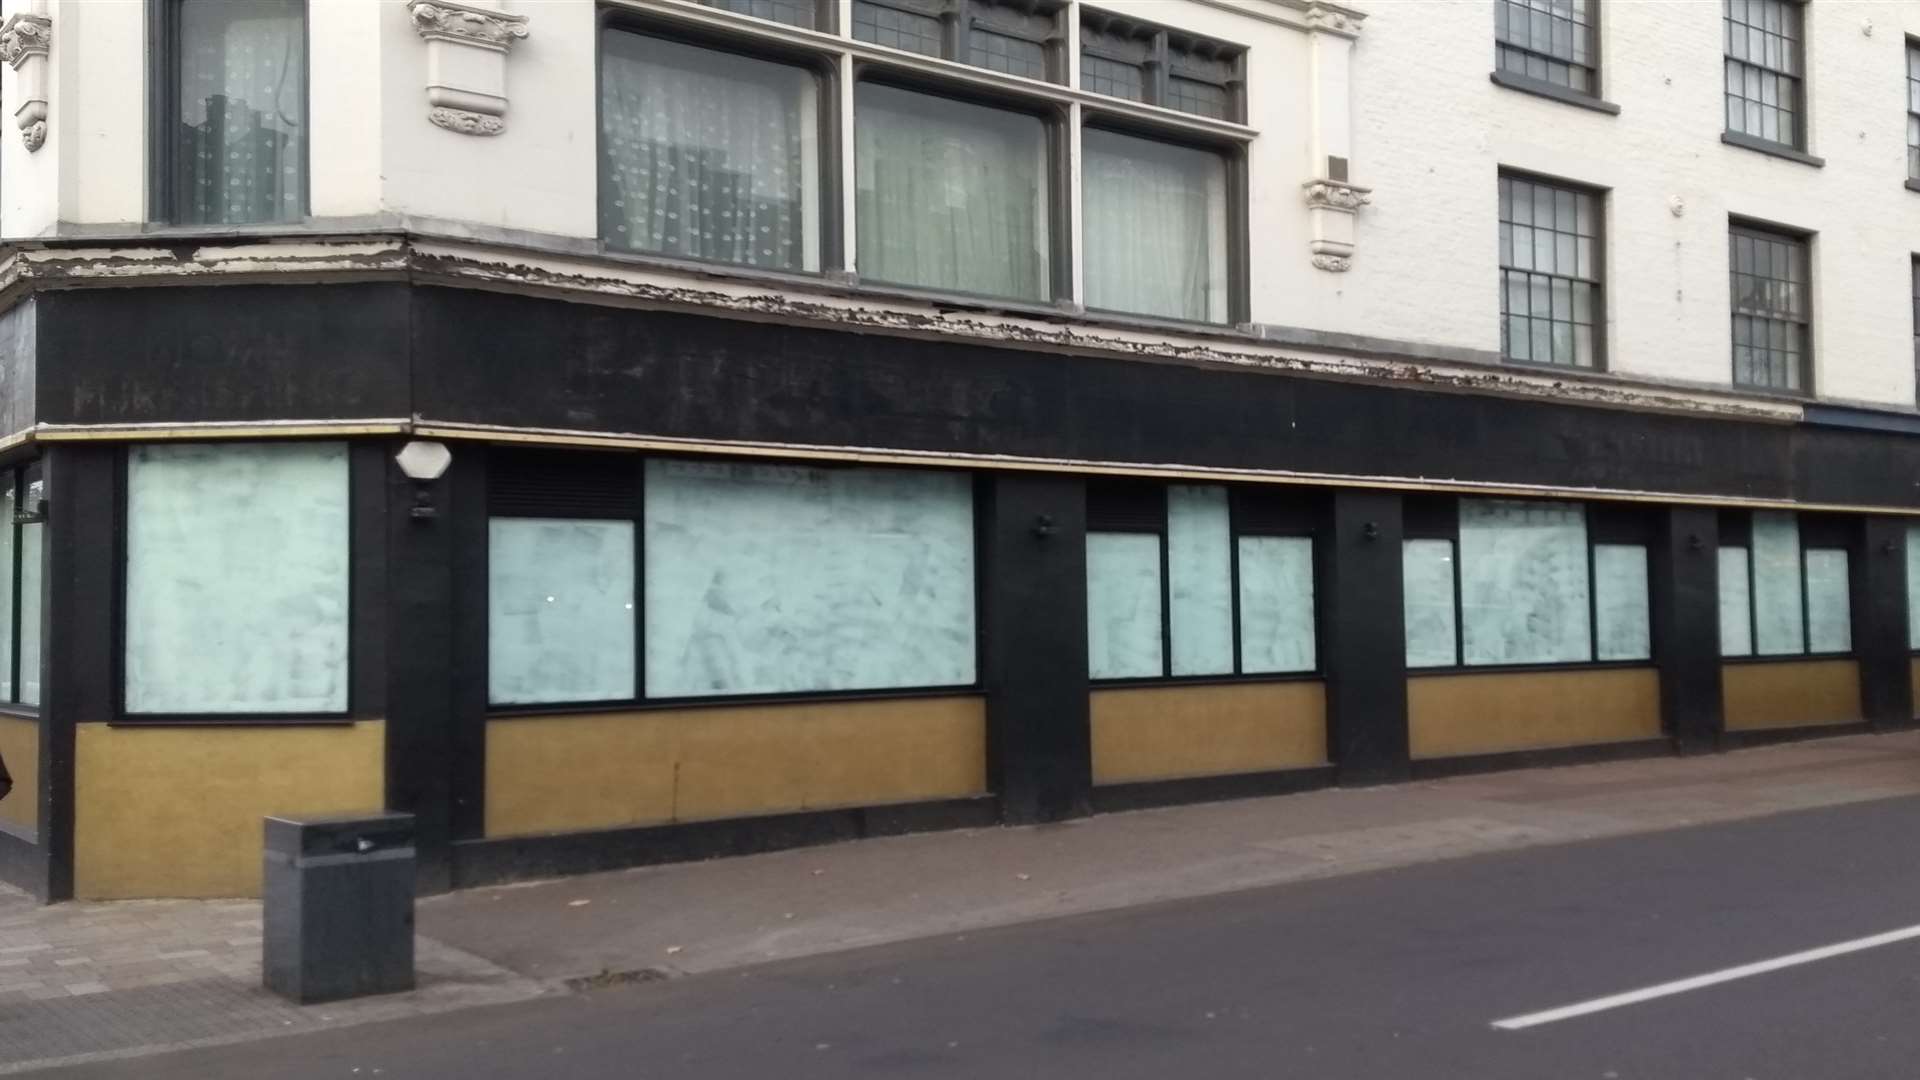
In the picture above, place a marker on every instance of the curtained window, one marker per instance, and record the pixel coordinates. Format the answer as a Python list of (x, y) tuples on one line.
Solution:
[(1156, 227), (950, 195), (708, 154), (239, 136)]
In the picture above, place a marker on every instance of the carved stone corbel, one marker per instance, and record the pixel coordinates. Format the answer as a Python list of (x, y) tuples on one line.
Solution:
[(1332, 204), (466, 63), (25, 40)]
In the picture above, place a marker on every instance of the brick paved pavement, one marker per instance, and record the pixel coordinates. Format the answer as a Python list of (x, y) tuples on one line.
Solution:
[(86, 981)]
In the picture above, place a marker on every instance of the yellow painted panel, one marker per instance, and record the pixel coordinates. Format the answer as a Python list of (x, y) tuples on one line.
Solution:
[(1913, 666), (20, 749), (1169, 732), (1494, 712), (176, 811), (604, 770), (1795, 693)]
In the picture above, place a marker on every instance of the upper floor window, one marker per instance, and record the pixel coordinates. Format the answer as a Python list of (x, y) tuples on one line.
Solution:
[(1551, 306), (1549, 41), (708, 154), (1151, 64), (235, 136), (1155, 216), (1009, 37), (1916, 325), (805, 13), (1771, 315), (1766, 66), (1913, 110)]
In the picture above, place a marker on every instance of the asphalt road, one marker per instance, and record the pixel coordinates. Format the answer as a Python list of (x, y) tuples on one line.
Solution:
[(1375, 976)]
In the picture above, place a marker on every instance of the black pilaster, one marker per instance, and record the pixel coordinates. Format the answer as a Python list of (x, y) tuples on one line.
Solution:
[(1879, 596), (1363, 638), (80, 599), (1683, 573), (419, 665), (1034, 644), (466, 520)]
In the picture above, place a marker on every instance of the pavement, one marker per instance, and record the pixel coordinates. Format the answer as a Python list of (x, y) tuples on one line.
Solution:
[(88, 983)]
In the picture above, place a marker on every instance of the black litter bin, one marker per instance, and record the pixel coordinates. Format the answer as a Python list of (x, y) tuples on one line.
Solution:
[(338, 910)]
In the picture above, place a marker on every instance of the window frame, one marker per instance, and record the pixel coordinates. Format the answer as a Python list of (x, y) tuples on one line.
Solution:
[(845, 61), (1437, 517), (636, 464), (1593, 98), (1756, 229), (1912, 57), (1164, 61), (1814, 532), (959, 18), (21, 477), (1289, 513), (1601, 200), (164, 44), (1797, 145), (826, 14)]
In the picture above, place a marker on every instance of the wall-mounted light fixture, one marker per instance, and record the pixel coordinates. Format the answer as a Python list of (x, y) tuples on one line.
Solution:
[(423, 462), (1370, 531), (1043, 526)]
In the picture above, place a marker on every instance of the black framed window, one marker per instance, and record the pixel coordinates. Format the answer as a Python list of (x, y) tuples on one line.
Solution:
[(619, 579), (22, 550), (1766, 65), (1008, 36), (1772, 308), (1155, 218), (810, 14), (1913, 109), (1549, 41), (1506, 582), (232, 120), (1914, 275), (1140, 61), (1552, 305), (709, 154), (1786, 585), (1200, 581)]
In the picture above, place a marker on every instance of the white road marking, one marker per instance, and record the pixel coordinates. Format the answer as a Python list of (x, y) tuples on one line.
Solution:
[(1681, 986)]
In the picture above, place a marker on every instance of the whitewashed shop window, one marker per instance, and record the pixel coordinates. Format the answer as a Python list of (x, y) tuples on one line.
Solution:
[(1779, 626), (1913, 587), (32, 552), (1124, 639), (560, 611), (766, 579), (1427, 598), (1200, 579), (1523, 582), (1829, 606), (1622, 625), (21, 552), (1276, 605), (237, 579), (1736, 603)]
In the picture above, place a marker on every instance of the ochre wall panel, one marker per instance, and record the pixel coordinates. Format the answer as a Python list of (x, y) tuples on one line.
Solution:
[(1494, 712), (1796, 693), (1172, 732), (176, 811), (20, 749), (605, 770)]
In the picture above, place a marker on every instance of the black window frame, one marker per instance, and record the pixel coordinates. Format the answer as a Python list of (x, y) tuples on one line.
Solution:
[(958, 19), (1768, 232), (1598, 197), (1168, 53), (828, 136), (1139, 507), (1429, 516), (823, 12), (164, 45), (1504, 75), (1816, 532), (1912, 56), (26, 480), (560, 484), (1796, 36)]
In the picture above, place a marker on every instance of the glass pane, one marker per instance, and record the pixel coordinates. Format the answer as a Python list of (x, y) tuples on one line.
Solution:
[(950, 195), (1736, 603), (240, 142), (1523, 582), (1779, 624), (237, 576), (7, 508), (707, 155), (1620, 612), (1427, 572), (1913, 587), (1276, 604), (1123, 606), (1156, 227), (772, 579), (31, 553), (560, 620), (1200, 579), (1829, 606)]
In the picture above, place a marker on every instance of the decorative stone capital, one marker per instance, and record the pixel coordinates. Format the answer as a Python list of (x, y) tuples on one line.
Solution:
[(466, 64), (25, 41), (1324, 18), (440, 20), (1336, 195)]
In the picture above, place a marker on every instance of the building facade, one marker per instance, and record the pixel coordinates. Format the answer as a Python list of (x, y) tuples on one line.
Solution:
[(637, 430)]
